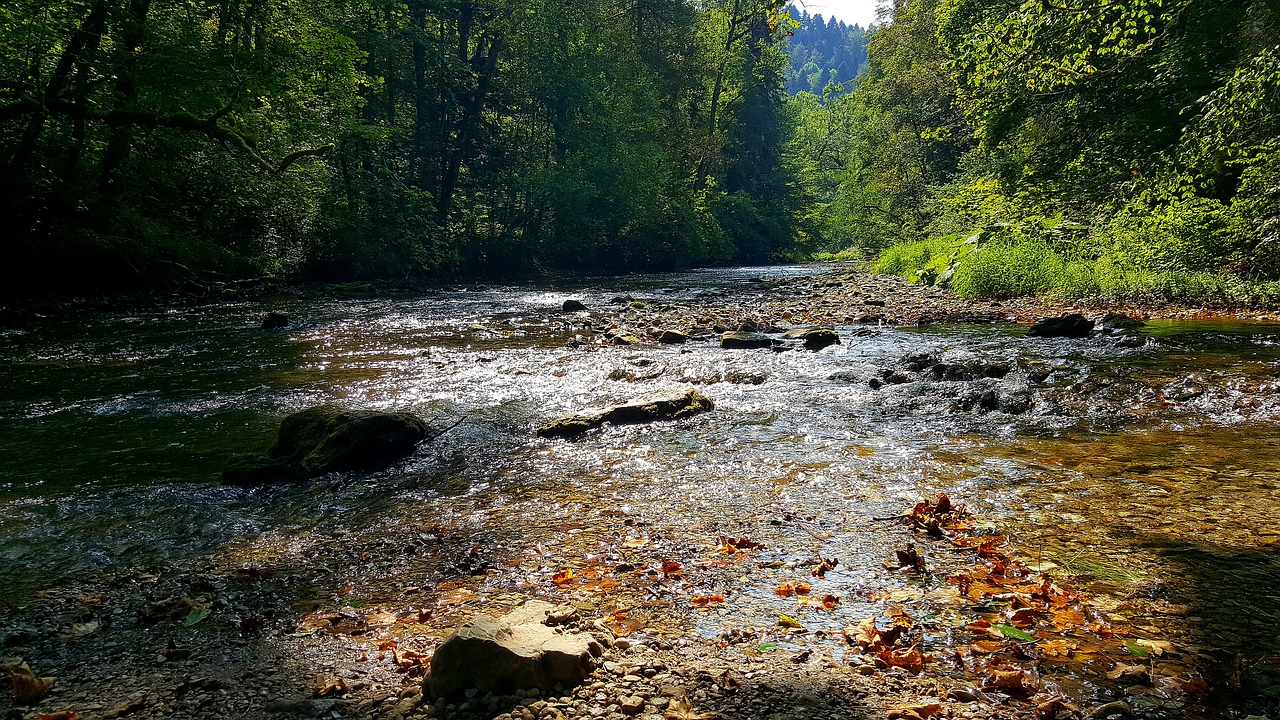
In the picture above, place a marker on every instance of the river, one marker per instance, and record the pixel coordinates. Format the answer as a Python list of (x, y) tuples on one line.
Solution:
[(1147, 473)]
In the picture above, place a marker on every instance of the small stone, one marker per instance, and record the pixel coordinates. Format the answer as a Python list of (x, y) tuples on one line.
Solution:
[(631, 705)]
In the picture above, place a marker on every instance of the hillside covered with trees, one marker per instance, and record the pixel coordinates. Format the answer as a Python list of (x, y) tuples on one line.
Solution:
[(181, 142), (824, 51), (1080, 148)]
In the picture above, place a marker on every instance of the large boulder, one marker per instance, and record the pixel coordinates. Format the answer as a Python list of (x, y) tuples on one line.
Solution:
[(515, 652), (647, 409), (327, 439), (1074, 325)]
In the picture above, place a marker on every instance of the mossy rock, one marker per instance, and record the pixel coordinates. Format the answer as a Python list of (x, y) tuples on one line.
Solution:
[(645, 410), (326, 439)]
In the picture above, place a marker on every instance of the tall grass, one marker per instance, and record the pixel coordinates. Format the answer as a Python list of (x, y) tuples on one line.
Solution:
[(1027, 266)]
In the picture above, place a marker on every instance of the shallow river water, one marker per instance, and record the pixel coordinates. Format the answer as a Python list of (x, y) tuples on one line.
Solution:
[(1147, 472)]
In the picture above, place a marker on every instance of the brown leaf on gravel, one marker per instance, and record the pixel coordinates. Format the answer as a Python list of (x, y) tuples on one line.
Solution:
[(681, 709), (729, 546), (1056, 707), (915, 712), (1130, 674), (27, 688), (909, 658), (325, 687), (1011, 681), (825, 566), (785, 590), (803, 588)]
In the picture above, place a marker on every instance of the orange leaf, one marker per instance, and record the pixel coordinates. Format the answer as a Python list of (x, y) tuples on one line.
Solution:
[(803, 588), (829, 602), (670, 567), (914, 712), (562, 577), (60, 715), (909, 658), (785, 590), (702, 601)]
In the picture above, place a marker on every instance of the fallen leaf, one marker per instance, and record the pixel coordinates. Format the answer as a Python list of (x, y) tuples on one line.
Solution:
[(60, 715), (681, 709), (1156, 648), (1132, 674), (803, 588), (829, 602), (670, 567), (562, 577), (196, 615), (325, 688), (1013, 632), (1011, 681), (909, 658), (85, 629), (785, 590), (787, 621), (701, 601), (915, 712), (27, 688), (825, 565)]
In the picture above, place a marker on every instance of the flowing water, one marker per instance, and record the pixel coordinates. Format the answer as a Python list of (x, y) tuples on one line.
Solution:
[(1149, 472)]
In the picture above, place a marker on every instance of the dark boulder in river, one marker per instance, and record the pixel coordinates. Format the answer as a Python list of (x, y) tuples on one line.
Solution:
[(327, 439), (1074, 325), (573, 306), (649, 409)]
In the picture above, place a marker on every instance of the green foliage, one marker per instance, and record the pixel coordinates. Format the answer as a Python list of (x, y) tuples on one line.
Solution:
[(1096, 148), (193, 141)]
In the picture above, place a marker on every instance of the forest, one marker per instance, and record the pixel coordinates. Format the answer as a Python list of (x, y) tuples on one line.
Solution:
[(1076, 149), (1012, 148), (190, 142)]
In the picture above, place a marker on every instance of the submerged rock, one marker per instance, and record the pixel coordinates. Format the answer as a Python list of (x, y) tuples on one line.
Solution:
[(649, 409), (275, 321), (327, 439), (815, 338), (1074, 325), (734, 340), (672, 337), (515, 652)]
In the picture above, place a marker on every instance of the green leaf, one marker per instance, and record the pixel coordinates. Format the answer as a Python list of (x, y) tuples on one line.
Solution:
[(1137, 650), (787, 621), (767, 647), (1015, 633), (195, 616)]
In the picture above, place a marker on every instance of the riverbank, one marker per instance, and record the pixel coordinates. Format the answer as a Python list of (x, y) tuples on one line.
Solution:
[(336, 604)]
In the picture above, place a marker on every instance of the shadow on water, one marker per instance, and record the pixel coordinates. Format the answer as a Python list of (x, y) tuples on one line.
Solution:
[(1232, 611)]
